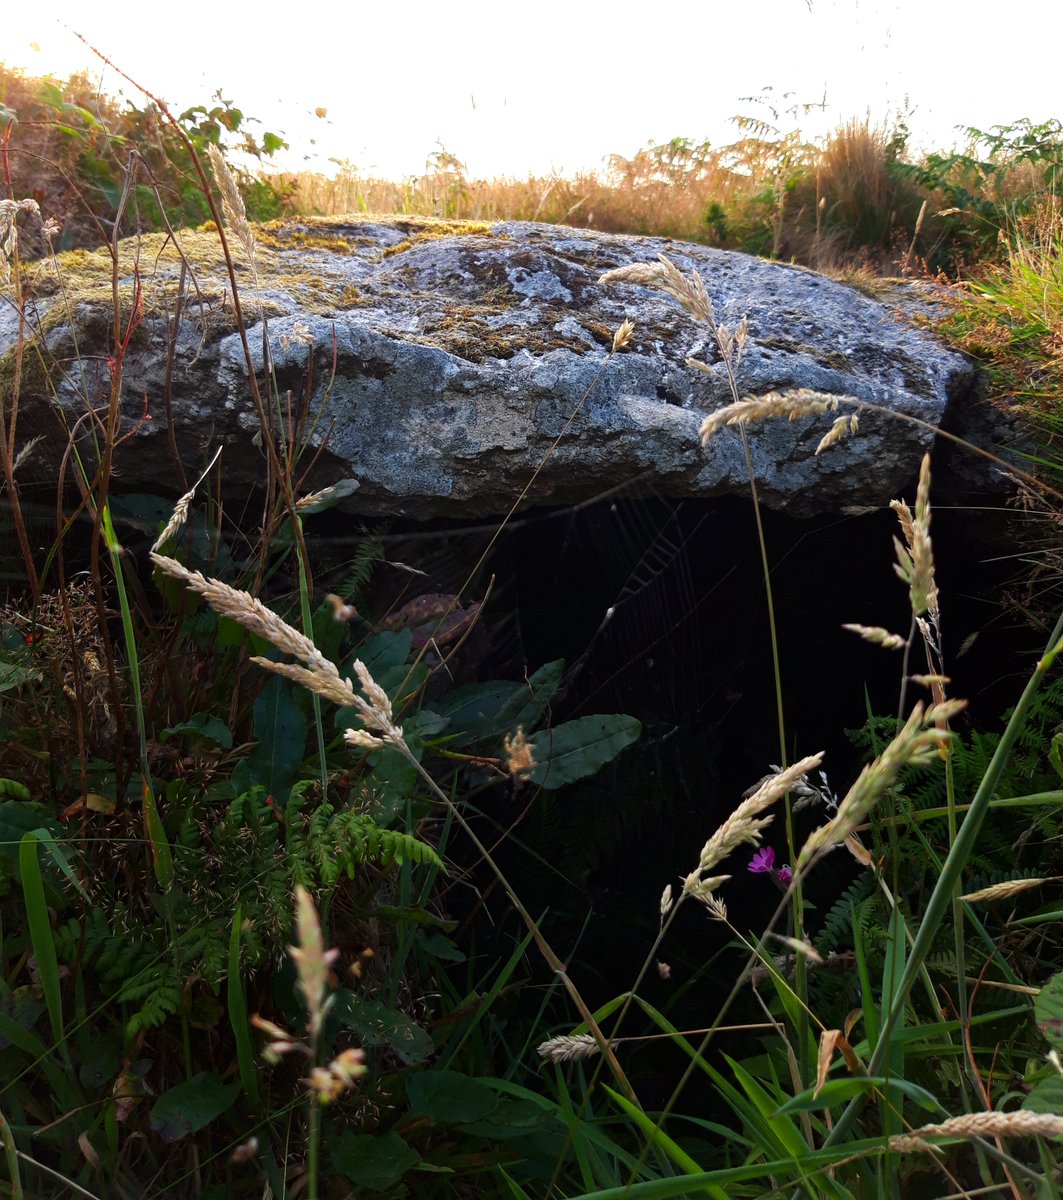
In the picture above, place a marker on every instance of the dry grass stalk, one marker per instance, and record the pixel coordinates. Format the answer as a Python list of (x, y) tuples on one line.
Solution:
[(326, 684), (878, 635), (984, 1124), (24, 454), (9, 210), (931, 681), (667, 277), (842, 428), (1001, 891), (180, 512), (312, 965), (312, 498), (742, 826), (915, 560), (177, 519), (802, 948), (800, 402), (245, 610), (916, 743), (623, 335), (232, 204), (568, 1047)]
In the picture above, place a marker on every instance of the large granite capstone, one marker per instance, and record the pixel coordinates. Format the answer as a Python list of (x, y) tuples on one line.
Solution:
[(448, 358)]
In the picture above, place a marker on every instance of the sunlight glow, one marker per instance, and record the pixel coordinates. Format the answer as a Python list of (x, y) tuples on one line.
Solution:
[(510, 91)]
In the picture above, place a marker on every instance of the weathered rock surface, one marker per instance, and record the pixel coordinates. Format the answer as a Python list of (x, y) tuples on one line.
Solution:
[(447, 359)]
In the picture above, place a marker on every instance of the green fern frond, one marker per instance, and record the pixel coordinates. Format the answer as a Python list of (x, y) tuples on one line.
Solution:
[(370, 552)]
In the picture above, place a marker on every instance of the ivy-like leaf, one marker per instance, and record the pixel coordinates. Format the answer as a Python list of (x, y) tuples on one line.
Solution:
[(373, 1161), (450, 1097), (192, 1106), (580, 748)]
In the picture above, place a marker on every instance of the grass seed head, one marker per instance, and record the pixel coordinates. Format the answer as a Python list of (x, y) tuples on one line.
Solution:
[(793, 404), (232, 203), (312, 960), (623, 335), (878, 635), (916, 743), (915, 558), (568, 1047), (743, 825), (1020, 1123)]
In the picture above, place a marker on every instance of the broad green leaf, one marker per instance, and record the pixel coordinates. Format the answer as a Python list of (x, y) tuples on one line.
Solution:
[(161, 855), (512, 1118), (439, 946), (191, 1106), (236, 1001), (201, 725), (280, 726), (580, 748), (450, 1097), (373, 1161), (102, 1060), (1046, 1096), (473, 709), (13, 675), (381, 651), (377, 1025), (47, 839), (326, 632), (1048, 1011), (530, 700), (415, 916)]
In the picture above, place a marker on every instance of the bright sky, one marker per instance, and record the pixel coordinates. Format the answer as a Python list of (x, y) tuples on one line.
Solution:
[(513, 89)]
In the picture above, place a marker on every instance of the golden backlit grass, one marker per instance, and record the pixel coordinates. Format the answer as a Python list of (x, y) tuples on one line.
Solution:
[(779, 195)]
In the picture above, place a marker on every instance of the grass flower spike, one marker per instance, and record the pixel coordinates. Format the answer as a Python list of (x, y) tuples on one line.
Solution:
[(916, 743), (318, 675), (915, 558), (743, 826), (312, 960), (800, 402), (568, 1047)]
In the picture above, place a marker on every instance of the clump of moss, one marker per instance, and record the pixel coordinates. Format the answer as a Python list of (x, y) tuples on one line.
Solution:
[(289, 235), (424, 229)]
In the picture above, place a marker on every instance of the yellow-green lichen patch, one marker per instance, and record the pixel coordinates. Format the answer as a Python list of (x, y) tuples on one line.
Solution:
[(308, 233), (468, 332)]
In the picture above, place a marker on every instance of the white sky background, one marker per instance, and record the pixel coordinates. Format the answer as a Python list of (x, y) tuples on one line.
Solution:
[(516, 89)]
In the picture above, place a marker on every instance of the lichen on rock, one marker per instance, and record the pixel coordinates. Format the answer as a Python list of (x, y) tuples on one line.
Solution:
[(449, 356)]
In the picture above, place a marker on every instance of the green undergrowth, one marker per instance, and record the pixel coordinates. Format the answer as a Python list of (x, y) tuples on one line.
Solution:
[(263, 927)]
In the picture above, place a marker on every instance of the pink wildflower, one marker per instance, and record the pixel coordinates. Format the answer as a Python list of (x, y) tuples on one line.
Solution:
[(763, 863)]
